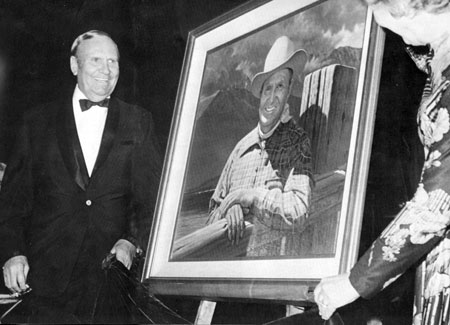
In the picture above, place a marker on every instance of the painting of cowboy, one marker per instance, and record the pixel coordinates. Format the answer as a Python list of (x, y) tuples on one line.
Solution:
[(268, 154), (267, 179)]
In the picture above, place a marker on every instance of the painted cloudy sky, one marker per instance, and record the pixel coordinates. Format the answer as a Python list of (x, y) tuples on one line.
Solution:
[(318, 30)]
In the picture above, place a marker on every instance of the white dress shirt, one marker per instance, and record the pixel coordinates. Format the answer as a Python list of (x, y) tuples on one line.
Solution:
[(90, 125)]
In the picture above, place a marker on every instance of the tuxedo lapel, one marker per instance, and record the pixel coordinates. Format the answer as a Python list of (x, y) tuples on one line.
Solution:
[(109, 133), (69, 145)]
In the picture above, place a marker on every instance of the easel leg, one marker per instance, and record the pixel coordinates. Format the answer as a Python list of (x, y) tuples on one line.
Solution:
[(205, 312), (292, 310)]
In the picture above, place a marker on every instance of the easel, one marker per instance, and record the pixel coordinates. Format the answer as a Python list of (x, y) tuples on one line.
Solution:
[(206, 309), (205, 312)]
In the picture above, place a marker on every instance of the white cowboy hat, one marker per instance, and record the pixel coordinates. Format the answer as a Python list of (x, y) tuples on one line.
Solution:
[(281, 55)]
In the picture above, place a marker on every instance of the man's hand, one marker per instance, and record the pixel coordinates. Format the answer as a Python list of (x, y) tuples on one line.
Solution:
[(15, 272), (235, 222), (125, 252), (245, 198), (334, 292)]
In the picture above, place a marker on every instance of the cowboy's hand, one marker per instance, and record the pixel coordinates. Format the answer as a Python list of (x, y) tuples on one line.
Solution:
[(124, 252), (15, 272), (244, 197), (334, 292), (235, 223)]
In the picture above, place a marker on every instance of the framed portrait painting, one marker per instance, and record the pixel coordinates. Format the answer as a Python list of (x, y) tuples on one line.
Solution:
[(306, 189)]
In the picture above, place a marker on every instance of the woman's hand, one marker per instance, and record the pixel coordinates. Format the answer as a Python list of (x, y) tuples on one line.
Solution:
[(334, 292)]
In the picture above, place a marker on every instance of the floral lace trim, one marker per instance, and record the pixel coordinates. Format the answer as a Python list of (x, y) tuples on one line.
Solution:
[(433, 121), (422, 219), (438, 269)]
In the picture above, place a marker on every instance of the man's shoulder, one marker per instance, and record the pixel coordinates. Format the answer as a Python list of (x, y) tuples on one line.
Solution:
[(133, 117), (290, 136), (131, 110), (125, 105), (248, 140), (292, 127), (294, 132)]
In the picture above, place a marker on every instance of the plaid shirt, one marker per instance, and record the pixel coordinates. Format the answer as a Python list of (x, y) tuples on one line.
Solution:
[(280, 168)]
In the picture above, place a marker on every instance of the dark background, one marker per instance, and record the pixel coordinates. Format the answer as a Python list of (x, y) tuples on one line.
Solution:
[(35, 40)]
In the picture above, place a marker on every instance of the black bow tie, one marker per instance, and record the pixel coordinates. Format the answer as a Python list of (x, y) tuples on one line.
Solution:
[(85, 104)]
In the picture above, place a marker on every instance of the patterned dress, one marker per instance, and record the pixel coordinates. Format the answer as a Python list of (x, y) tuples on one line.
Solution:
[(279, 168), (421, 230)]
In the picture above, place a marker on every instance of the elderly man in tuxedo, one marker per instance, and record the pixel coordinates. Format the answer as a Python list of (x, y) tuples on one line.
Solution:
[(82, 177)]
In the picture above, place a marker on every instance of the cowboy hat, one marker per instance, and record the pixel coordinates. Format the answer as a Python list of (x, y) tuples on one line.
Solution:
[(281, 55)]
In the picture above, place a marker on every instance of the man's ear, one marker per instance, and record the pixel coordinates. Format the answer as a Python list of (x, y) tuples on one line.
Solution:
[(286, 115), (74, 65), (291, 84)]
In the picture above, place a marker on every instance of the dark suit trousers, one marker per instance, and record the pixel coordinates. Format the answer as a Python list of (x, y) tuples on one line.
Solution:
[(76, 303)]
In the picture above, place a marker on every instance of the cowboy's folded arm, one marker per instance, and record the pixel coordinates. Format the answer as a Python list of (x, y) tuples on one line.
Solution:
[(287, 208)]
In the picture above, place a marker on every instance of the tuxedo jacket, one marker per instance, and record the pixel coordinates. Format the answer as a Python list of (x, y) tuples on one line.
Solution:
[(48, 202)]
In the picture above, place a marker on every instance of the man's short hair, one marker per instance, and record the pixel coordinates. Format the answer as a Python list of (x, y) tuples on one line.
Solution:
[(85, 36)]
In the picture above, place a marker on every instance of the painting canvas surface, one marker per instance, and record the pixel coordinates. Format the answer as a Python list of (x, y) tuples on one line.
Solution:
[(322, 102)]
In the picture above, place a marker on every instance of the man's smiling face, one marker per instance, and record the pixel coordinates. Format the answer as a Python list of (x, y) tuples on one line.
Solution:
[(274, 95), (96, 66)]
